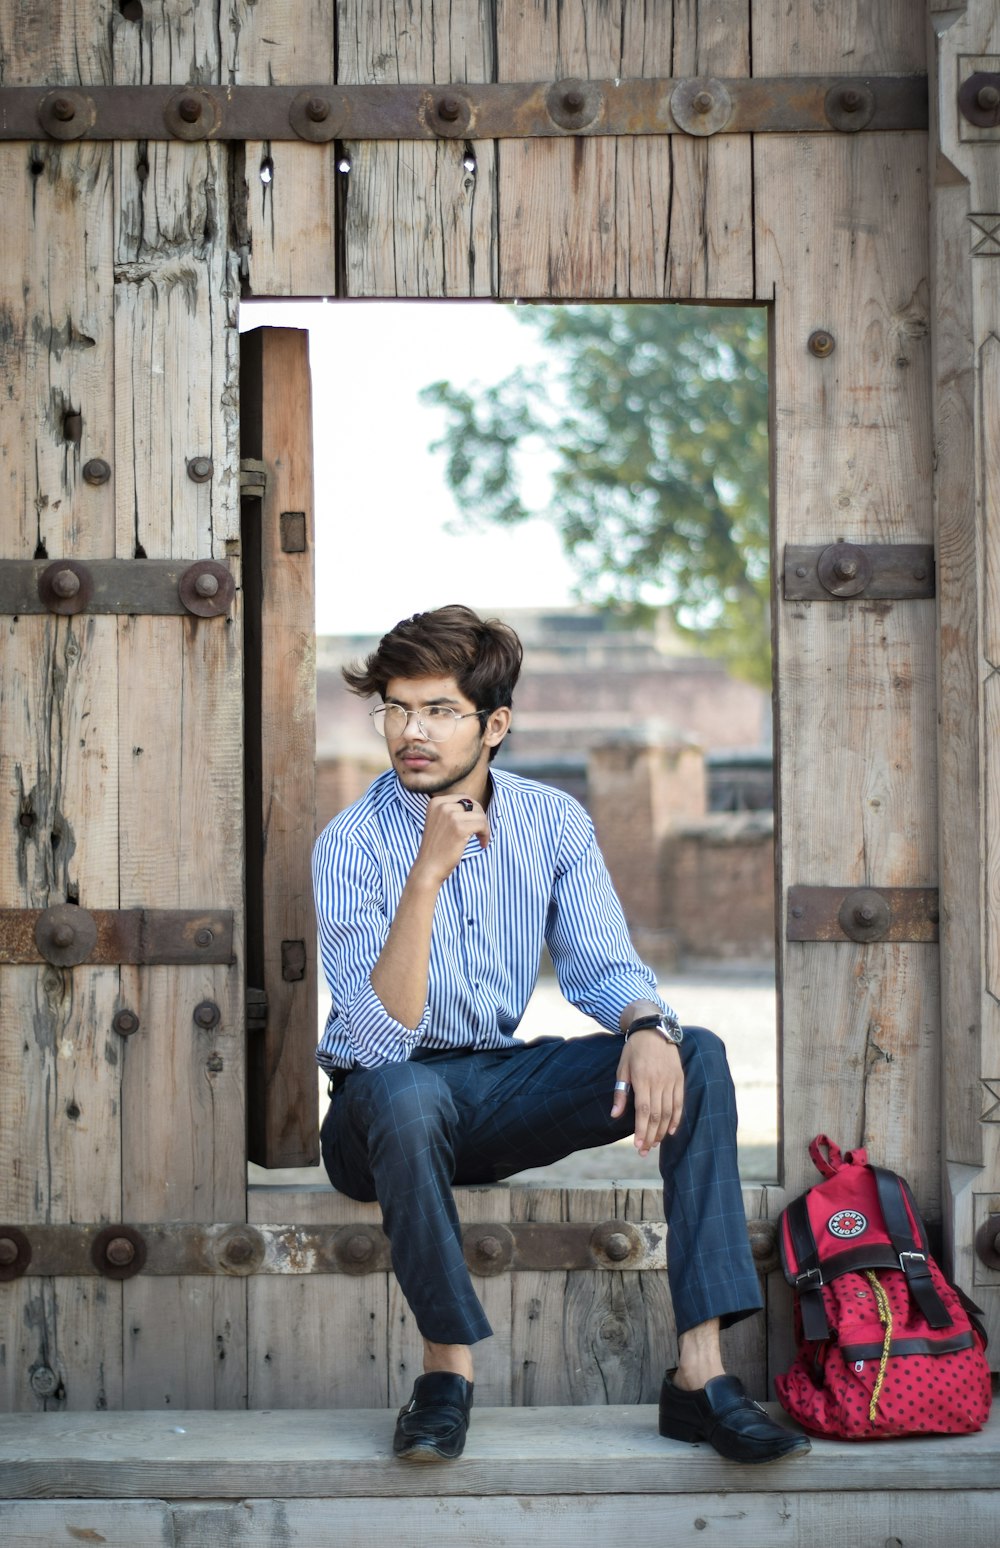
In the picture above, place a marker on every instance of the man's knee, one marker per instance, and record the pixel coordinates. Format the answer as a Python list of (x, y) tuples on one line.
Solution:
[(704, 1057)]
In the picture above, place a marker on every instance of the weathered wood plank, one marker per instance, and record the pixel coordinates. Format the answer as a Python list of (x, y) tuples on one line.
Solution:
[(852, 459), (612, 1451), (56, 347), (290, 229), (583, 1337), (855, 38), (625, 217), (737, 1520), (280, 728), (181, 815), (183, 1087), (416, 220), (59, 1139), (316, 1342), (965, 187)]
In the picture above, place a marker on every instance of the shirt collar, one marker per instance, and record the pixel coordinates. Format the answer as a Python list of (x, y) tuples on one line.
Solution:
[(415, 804)]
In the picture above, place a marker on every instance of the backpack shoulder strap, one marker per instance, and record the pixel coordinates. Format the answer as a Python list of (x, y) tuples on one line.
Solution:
[(808, 1278), (909, 1245)]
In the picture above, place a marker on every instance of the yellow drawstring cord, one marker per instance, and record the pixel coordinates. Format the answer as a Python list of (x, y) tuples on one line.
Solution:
[(885, 1317)]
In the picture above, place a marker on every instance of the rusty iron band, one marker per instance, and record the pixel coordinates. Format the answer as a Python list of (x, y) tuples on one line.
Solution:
[(68, 936), (883, 572), (699, 105), (204, 588), (862, 914), (122, 1251)]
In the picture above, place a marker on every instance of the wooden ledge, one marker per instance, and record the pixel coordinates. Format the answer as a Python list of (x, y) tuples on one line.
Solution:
[(310, 1454)]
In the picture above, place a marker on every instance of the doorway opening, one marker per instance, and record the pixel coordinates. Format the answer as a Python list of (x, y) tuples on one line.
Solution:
[(448, 469)]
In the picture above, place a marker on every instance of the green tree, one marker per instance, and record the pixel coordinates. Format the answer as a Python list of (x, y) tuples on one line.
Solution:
[(651, 422)]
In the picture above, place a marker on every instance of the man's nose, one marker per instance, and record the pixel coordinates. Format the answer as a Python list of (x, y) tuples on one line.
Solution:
[(411, 731)]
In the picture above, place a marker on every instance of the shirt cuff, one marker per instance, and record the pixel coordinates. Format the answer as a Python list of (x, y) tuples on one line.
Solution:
[(376, 1037)]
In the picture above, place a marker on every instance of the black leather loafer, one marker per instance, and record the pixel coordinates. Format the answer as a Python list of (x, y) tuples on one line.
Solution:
[(433, 1425), (722, 1414)]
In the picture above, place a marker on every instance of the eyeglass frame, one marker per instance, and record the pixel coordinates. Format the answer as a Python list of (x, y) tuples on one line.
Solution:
[(383, 710)]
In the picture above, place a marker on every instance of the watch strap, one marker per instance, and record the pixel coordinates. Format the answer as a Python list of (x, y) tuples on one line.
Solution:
[(669, 1029)]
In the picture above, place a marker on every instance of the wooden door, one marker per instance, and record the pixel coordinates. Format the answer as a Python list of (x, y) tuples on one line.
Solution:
[(123, 751)]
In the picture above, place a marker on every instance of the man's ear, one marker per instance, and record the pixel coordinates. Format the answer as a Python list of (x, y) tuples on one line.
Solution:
[(497, 726)]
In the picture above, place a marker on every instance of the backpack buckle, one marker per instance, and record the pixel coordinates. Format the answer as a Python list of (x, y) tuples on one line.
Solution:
[(809, 1279), (909, 1262)]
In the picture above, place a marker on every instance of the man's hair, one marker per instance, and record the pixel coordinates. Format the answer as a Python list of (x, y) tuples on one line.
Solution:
[(482, 655)]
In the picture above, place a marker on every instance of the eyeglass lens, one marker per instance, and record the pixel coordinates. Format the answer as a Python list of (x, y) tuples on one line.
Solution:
[(434, 721)]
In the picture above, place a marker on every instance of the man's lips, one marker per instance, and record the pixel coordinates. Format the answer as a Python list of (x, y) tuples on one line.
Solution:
[(414, 760)]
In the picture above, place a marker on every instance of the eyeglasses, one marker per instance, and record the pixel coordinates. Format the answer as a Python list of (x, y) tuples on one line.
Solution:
[(434, 721)]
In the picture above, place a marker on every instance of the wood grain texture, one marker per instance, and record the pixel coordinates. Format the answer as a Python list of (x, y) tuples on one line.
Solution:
[(823, 39), (966, 323), (290, 231), (841, 245), (735, 1520), (181, 811), (534, 1453), (283, 1127), (318, 1341), (641, 218), (59, 1101), (581, 1337), (416, 221)]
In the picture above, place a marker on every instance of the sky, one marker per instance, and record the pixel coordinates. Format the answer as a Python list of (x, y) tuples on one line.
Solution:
[(382, 505)]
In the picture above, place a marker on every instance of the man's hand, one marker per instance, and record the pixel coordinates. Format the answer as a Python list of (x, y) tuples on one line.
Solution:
[(653, 1069), (450, 823)]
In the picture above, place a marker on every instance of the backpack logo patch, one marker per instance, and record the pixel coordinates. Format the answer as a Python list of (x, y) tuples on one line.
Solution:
[(847, 1223)]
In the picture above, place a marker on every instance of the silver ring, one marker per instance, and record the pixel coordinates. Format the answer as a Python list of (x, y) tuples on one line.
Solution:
[(622, 1085), (466, 804)]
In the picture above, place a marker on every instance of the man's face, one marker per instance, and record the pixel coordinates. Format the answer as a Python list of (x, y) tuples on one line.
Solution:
[(432, 767)]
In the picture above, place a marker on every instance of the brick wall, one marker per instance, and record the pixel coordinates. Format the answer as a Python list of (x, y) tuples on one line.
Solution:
[(717, 879)]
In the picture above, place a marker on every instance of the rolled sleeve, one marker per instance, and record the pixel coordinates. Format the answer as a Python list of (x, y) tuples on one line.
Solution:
[(598, 969), (353, 927)]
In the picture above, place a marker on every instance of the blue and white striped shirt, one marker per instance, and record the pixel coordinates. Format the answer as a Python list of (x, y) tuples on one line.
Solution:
[(540, 879)]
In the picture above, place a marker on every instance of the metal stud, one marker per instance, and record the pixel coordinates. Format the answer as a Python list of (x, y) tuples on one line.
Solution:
[(200, 469), (239, 1250), (701, 106), (850, 106), (574, 105), (844, 569), (192, 114), (125, 1023), (450, 115), (65, 934), (197, 593), (988, 1242), (118, 1252), (96, 471), (979, 99), (66, 114), (864, 915), (821, 343), (317, 118), (488, 1249), (207, 1015), (616, 1242), (15, 1253)]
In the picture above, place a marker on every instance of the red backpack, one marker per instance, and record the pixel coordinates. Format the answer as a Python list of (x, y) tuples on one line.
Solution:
[(886, 1346)]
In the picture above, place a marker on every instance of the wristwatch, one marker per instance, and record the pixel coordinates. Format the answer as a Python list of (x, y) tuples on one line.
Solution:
[(667, 1027)]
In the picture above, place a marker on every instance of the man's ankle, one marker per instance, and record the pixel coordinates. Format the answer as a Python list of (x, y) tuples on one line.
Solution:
[(456, 1358), (700, 1357)]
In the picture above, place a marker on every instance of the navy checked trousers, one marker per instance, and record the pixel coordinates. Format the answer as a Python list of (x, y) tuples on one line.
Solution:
[(405, 1133)]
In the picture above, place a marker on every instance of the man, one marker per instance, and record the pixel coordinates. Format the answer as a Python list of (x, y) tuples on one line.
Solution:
[(435, 893)]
